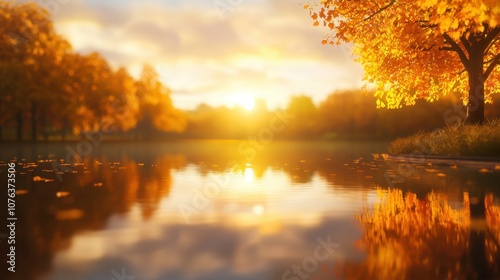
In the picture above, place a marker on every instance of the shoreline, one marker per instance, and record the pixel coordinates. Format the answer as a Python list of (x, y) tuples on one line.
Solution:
[(466, 161)]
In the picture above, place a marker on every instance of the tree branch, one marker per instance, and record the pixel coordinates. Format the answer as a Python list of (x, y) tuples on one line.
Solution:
[(455, 47), (446, 49), (465, 43), (428, 48), (381, 9), (491, 44), (492, 65), (485, 43)]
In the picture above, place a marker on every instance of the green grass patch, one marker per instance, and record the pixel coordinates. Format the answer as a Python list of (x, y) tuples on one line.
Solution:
[(464, 140)]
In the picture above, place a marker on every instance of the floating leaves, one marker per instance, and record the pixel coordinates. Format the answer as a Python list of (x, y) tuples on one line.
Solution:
[(69, 214), (41, 179), (62, 194)]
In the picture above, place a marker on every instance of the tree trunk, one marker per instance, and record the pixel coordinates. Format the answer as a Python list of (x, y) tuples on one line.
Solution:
[(1, 122), (19, 120), (475, 106), (64, 129), (33, 121)]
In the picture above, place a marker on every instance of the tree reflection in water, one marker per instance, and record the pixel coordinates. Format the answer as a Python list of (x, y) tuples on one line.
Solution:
[(52, 212), (408, 238)]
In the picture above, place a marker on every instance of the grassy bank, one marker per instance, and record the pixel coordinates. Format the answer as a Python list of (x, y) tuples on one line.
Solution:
[(465, 140)]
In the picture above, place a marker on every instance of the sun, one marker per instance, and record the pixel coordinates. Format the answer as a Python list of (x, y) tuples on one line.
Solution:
[(245, 100)]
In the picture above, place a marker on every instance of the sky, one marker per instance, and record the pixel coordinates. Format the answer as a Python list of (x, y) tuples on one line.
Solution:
[(216, 52)]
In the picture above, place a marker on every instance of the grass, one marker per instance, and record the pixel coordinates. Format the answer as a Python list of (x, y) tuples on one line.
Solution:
[(464, 140)]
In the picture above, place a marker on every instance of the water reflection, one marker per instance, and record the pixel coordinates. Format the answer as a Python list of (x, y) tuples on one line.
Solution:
[(408, 238), (121, 208)]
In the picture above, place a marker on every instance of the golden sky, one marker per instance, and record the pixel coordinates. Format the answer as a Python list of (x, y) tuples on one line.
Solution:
[(212, 51)]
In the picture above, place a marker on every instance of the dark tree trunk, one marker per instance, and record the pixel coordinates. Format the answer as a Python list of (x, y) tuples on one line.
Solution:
[(1, 123), (475, 107), (19, 120), (45, 127), (33, 121), (64, 129)]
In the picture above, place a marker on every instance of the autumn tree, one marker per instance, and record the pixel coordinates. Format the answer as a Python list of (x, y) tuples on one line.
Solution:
[(303, 108), (123, 108), (49, 81), (420, 49), (156, 109), (30, 53)]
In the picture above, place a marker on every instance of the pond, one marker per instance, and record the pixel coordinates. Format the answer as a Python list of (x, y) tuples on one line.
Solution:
[(248, 210)]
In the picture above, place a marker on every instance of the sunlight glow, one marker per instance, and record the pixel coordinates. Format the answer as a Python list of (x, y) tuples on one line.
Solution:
[(258, 210), (245, 100), (249, 175)]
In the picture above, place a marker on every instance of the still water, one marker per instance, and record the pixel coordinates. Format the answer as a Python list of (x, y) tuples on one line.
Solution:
[(238, 210)]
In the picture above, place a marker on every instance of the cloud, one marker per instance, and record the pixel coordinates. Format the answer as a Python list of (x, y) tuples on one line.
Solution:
[(210, 251), (211, 56)]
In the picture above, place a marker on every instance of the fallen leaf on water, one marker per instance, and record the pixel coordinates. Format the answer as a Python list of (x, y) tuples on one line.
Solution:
[(69, 214), (62, 194)]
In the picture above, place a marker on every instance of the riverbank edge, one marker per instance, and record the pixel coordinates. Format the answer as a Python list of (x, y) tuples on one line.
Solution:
[(466, 161)]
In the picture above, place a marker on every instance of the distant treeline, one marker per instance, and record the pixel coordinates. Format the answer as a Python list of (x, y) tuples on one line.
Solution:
[(343, 115), (49, 92)]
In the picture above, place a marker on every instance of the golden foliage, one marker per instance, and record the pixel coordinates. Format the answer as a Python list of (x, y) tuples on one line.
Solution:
[(403, 235), (402, 47), (493, 222), (57, 89)]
